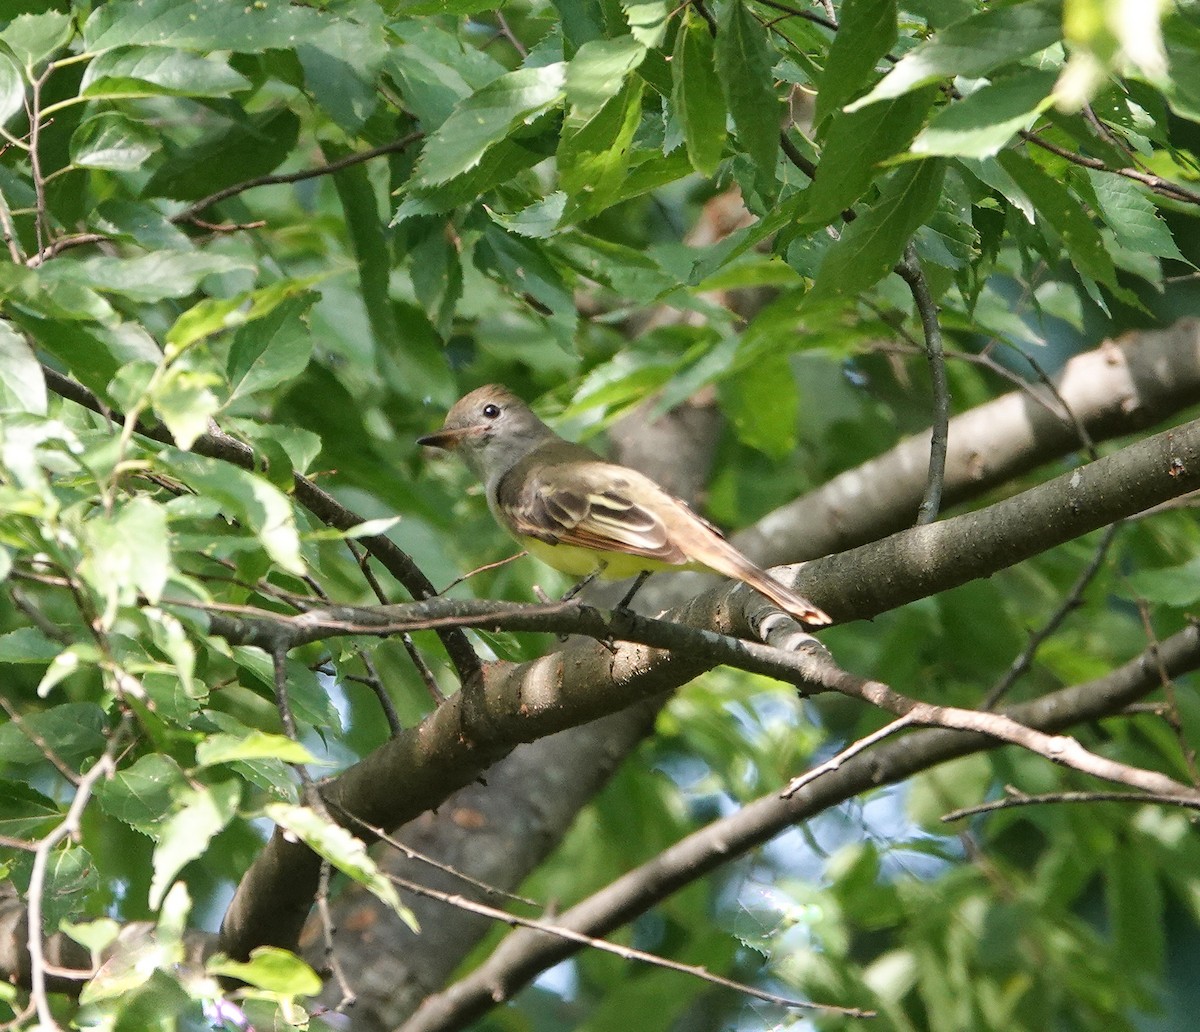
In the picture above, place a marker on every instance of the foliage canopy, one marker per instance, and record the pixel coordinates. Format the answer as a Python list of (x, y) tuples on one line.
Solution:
[(252, 251)]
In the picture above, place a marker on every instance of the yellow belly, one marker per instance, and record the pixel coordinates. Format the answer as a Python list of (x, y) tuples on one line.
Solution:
[(580, 562)]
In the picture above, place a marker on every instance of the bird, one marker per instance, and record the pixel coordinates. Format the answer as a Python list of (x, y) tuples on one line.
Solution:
[(583, 515)]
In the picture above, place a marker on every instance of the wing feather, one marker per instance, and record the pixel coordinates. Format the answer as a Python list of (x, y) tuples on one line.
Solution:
[(592, 505)]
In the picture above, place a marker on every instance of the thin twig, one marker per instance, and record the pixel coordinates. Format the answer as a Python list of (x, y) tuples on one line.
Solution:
[(500, 992), (10, 231), (47, 750), (511, 36), (104, 767), (33, 109), (911, 272), (1171, 712), (1072, 601), (334, 965), (437, 865), (192, 210), (794, 12), (834, 762), (1019, 799), (284, 704), (418, 661), (1060, 749), (1156, 183)]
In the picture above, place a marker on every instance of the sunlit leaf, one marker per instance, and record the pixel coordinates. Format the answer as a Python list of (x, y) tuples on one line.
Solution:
[(341, 849), (184, 836), (485, 118), (697, 94), (973, 47), (272, 969)]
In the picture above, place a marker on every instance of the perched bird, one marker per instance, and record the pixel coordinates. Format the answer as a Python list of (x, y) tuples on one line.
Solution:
[(583, 515)]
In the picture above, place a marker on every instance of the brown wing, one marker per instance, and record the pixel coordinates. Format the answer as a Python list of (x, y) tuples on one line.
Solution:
[(592, 505)]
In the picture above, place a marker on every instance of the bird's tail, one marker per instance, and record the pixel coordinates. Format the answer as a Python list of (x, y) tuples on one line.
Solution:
[(726, 559)]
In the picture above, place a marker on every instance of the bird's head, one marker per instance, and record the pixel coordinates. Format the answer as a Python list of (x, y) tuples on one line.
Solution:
[(491, 428)]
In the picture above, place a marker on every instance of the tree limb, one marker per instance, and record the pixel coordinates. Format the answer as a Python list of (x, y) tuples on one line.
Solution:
[(585, 680), (523, 955)]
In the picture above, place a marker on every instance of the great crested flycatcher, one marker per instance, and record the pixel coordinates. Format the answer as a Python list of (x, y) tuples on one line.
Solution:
[(582, 515)]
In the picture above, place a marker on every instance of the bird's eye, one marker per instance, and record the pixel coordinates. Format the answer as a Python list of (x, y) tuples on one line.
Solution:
[(491, 411)]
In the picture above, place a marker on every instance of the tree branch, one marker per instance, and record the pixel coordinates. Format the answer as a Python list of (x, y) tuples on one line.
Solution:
[(585, 680), (522, 956), (1120, 387)]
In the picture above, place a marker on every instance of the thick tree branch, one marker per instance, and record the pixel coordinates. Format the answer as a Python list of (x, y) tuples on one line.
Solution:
[(1122, 386)]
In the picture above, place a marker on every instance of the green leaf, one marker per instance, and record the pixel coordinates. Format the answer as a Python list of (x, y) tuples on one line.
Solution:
[(159, 71), (113, 141), (745, 62), (142, 795), (24, 812), (500, 165), (250, 147), (485, 118), (271, 350), (33, 38), (648, 20), (309, 696), (271, 969), (1085, 247), (185, 401), (1183, 88), (254, 502), (435, 70), (201, 25), (96, 935), (538, 220), (872, 244), (184, 836), (212, 315), (66, 663), (49, 291), (1177, 586), (866, 32), (152, 277), (1132, 216), (71, 877), (771, 428), (341, 64), (598, 71), (127, 553), (267, 773), (343, 850), (22, 384), (256, 745), (696, 94), (437, 277), (526, 270), (12, 89), (593, 161), (979, 125), (27, 645), (973, 47), (75, 729), (855, 145)]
